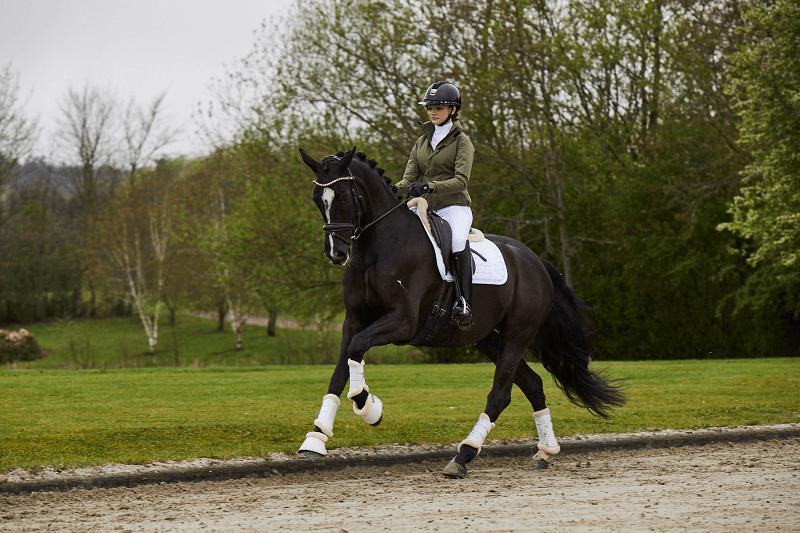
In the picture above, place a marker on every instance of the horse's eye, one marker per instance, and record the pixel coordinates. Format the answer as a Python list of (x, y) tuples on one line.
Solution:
[(345, 197)]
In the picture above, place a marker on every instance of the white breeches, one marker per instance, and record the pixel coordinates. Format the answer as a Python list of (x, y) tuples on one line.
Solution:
[(460, 219)]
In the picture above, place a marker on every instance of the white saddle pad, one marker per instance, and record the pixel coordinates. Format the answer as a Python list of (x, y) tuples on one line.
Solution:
[(492, 271)]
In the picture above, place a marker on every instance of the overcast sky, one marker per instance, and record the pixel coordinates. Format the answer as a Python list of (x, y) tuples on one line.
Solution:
[(137, 48)]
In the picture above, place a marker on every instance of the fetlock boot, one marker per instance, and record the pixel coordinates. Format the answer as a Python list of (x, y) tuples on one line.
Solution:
[(462, 269)]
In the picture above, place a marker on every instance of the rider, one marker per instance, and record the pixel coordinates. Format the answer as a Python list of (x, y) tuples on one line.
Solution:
[(439, 169)]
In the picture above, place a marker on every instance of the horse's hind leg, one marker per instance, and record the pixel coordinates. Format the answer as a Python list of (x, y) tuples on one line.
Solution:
[(498, 399), (530, 383)]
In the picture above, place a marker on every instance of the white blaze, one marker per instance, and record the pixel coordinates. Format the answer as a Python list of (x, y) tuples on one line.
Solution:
[(327, 202)]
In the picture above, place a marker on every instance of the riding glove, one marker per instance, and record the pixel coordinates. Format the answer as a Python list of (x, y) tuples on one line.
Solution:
[(418, 188)]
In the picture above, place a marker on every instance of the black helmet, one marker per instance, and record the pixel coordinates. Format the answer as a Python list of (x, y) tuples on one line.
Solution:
[(442, 93)]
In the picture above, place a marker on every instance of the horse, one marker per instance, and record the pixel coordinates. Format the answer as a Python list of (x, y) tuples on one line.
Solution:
[(391, 282)]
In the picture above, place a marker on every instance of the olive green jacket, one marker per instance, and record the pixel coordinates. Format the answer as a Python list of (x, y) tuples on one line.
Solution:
[(446, 170)]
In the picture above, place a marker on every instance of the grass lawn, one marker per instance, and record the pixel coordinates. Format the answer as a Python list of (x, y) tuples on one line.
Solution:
[(138, 415), (113, 343)]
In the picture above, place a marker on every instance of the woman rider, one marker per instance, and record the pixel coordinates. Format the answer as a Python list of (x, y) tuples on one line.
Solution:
[(438, 169)]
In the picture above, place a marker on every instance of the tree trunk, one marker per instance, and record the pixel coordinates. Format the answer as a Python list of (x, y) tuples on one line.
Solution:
[(272, 322), (222, 312)]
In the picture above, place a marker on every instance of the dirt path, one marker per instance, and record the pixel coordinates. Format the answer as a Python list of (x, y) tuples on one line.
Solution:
[(751, 486)]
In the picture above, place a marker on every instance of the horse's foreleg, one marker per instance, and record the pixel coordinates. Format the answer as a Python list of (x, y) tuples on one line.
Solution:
[(323, 427), (388, 329), (314, 443), (368, 406)]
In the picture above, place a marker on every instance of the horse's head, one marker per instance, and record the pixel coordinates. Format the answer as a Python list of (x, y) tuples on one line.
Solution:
[(335, 196)]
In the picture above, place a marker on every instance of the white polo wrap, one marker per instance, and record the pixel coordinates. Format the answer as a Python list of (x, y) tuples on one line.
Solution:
[(547, 437), (315, 442), (327, 414), (357, 383), (478, 434)]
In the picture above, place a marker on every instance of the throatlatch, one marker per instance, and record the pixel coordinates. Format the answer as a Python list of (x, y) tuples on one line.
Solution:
[(372, 412), (548, 445)]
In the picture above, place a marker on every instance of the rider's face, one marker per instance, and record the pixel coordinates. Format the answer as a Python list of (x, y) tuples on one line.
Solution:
[(439, 113)]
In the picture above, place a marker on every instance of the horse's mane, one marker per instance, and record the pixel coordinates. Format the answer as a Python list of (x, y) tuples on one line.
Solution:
[(371, 163)]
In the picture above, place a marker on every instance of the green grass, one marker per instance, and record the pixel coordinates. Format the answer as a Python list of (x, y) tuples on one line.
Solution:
[(87, 417), (114, 343)]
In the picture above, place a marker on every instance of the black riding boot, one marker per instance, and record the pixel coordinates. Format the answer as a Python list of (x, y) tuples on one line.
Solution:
[(462, 270)]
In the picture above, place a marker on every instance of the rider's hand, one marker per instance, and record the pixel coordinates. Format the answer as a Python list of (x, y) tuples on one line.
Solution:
[(418, 188)]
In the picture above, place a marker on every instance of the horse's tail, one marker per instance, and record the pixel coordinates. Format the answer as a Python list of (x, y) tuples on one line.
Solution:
[(562, 345)]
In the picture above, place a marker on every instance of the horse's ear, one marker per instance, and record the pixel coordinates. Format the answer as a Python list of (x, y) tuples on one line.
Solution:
[(308, 160), (345, 162)]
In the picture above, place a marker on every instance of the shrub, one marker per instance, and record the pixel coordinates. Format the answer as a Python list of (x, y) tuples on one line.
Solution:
[(18, 346)]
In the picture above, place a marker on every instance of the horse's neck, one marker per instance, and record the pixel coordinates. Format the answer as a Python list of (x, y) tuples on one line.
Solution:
[(389, 238), (377, 202)]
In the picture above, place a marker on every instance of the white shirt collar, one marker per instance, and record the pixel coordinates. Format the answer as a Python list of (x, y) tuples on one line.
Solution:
[(439, 133)]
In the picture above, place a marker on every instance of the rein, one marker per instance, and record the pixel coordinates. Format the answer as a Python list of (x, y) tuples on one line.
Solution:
[(356, 229)]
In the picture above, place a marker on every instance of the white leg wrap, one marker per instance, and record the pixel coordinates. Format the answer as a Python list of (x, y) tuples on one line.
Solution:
[(547, 438), (327, 414), (357, 383), (372, 411), (478, 433), (315, 442)]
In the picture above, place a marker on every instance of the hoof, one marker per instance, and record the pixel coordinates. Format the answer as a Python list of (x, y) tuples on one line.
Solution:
[(309, 454), (542, 459), (455, 470), (378, 423)]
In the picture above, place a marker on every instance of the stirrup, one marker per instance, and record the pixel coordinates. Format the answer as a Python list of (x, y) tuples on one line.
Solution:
[(462, 315)]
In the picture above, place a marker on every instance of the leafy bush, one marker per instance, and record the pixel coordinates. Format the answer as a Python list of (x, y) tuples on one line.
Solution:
[(18, 346)]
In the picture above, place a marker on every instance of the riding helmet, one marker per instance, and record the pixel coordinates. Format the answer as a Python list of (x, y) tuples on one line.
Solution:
[(442, 93)]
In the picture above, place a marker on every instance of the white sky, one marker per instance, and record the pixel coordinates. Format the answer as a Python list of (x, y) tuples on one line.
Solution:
[(136, 48)]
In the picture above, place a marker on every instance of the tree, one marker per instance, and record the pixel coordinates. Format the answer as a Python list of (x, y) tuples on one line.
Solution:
[(18, 133), (135, 233), (38, 267), (604, 138), (211, 192), (275, 237), (146, 131), (766, 212), (86, 130)]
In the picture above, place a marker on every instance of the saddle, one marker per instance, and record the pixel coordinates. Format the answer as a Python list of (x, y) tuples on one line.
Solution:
[(442, 235)]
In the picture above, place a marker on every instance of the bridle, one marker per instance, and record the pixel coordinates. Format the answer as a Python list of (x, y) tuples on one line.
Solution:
[(354, 227)]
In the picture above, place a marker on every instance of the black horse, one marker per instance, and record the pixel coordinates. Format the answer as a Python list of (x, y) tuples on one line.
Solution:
[(391, 282)]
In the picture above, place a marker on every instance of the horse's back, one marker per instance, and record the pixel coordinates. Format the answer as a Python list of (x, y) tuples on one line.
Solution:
[(529, 289)]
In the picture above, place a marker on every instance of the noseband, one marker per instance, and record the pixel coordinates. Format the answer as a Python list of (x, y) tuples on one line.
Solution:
[(333, 228)]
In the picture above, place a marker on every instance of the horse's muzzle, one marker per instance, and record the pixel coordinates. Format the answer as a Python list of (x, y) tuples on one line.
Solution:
[(339, 258)]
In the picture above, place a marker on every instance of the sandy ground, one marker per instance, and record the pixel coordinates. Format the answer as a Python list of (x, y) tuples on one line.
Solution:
[(751, 486)]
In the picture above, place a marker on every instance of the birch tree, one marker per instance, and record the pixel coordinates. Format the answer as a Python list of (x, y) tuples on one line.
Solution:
[(211, 191), (136, 234)]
